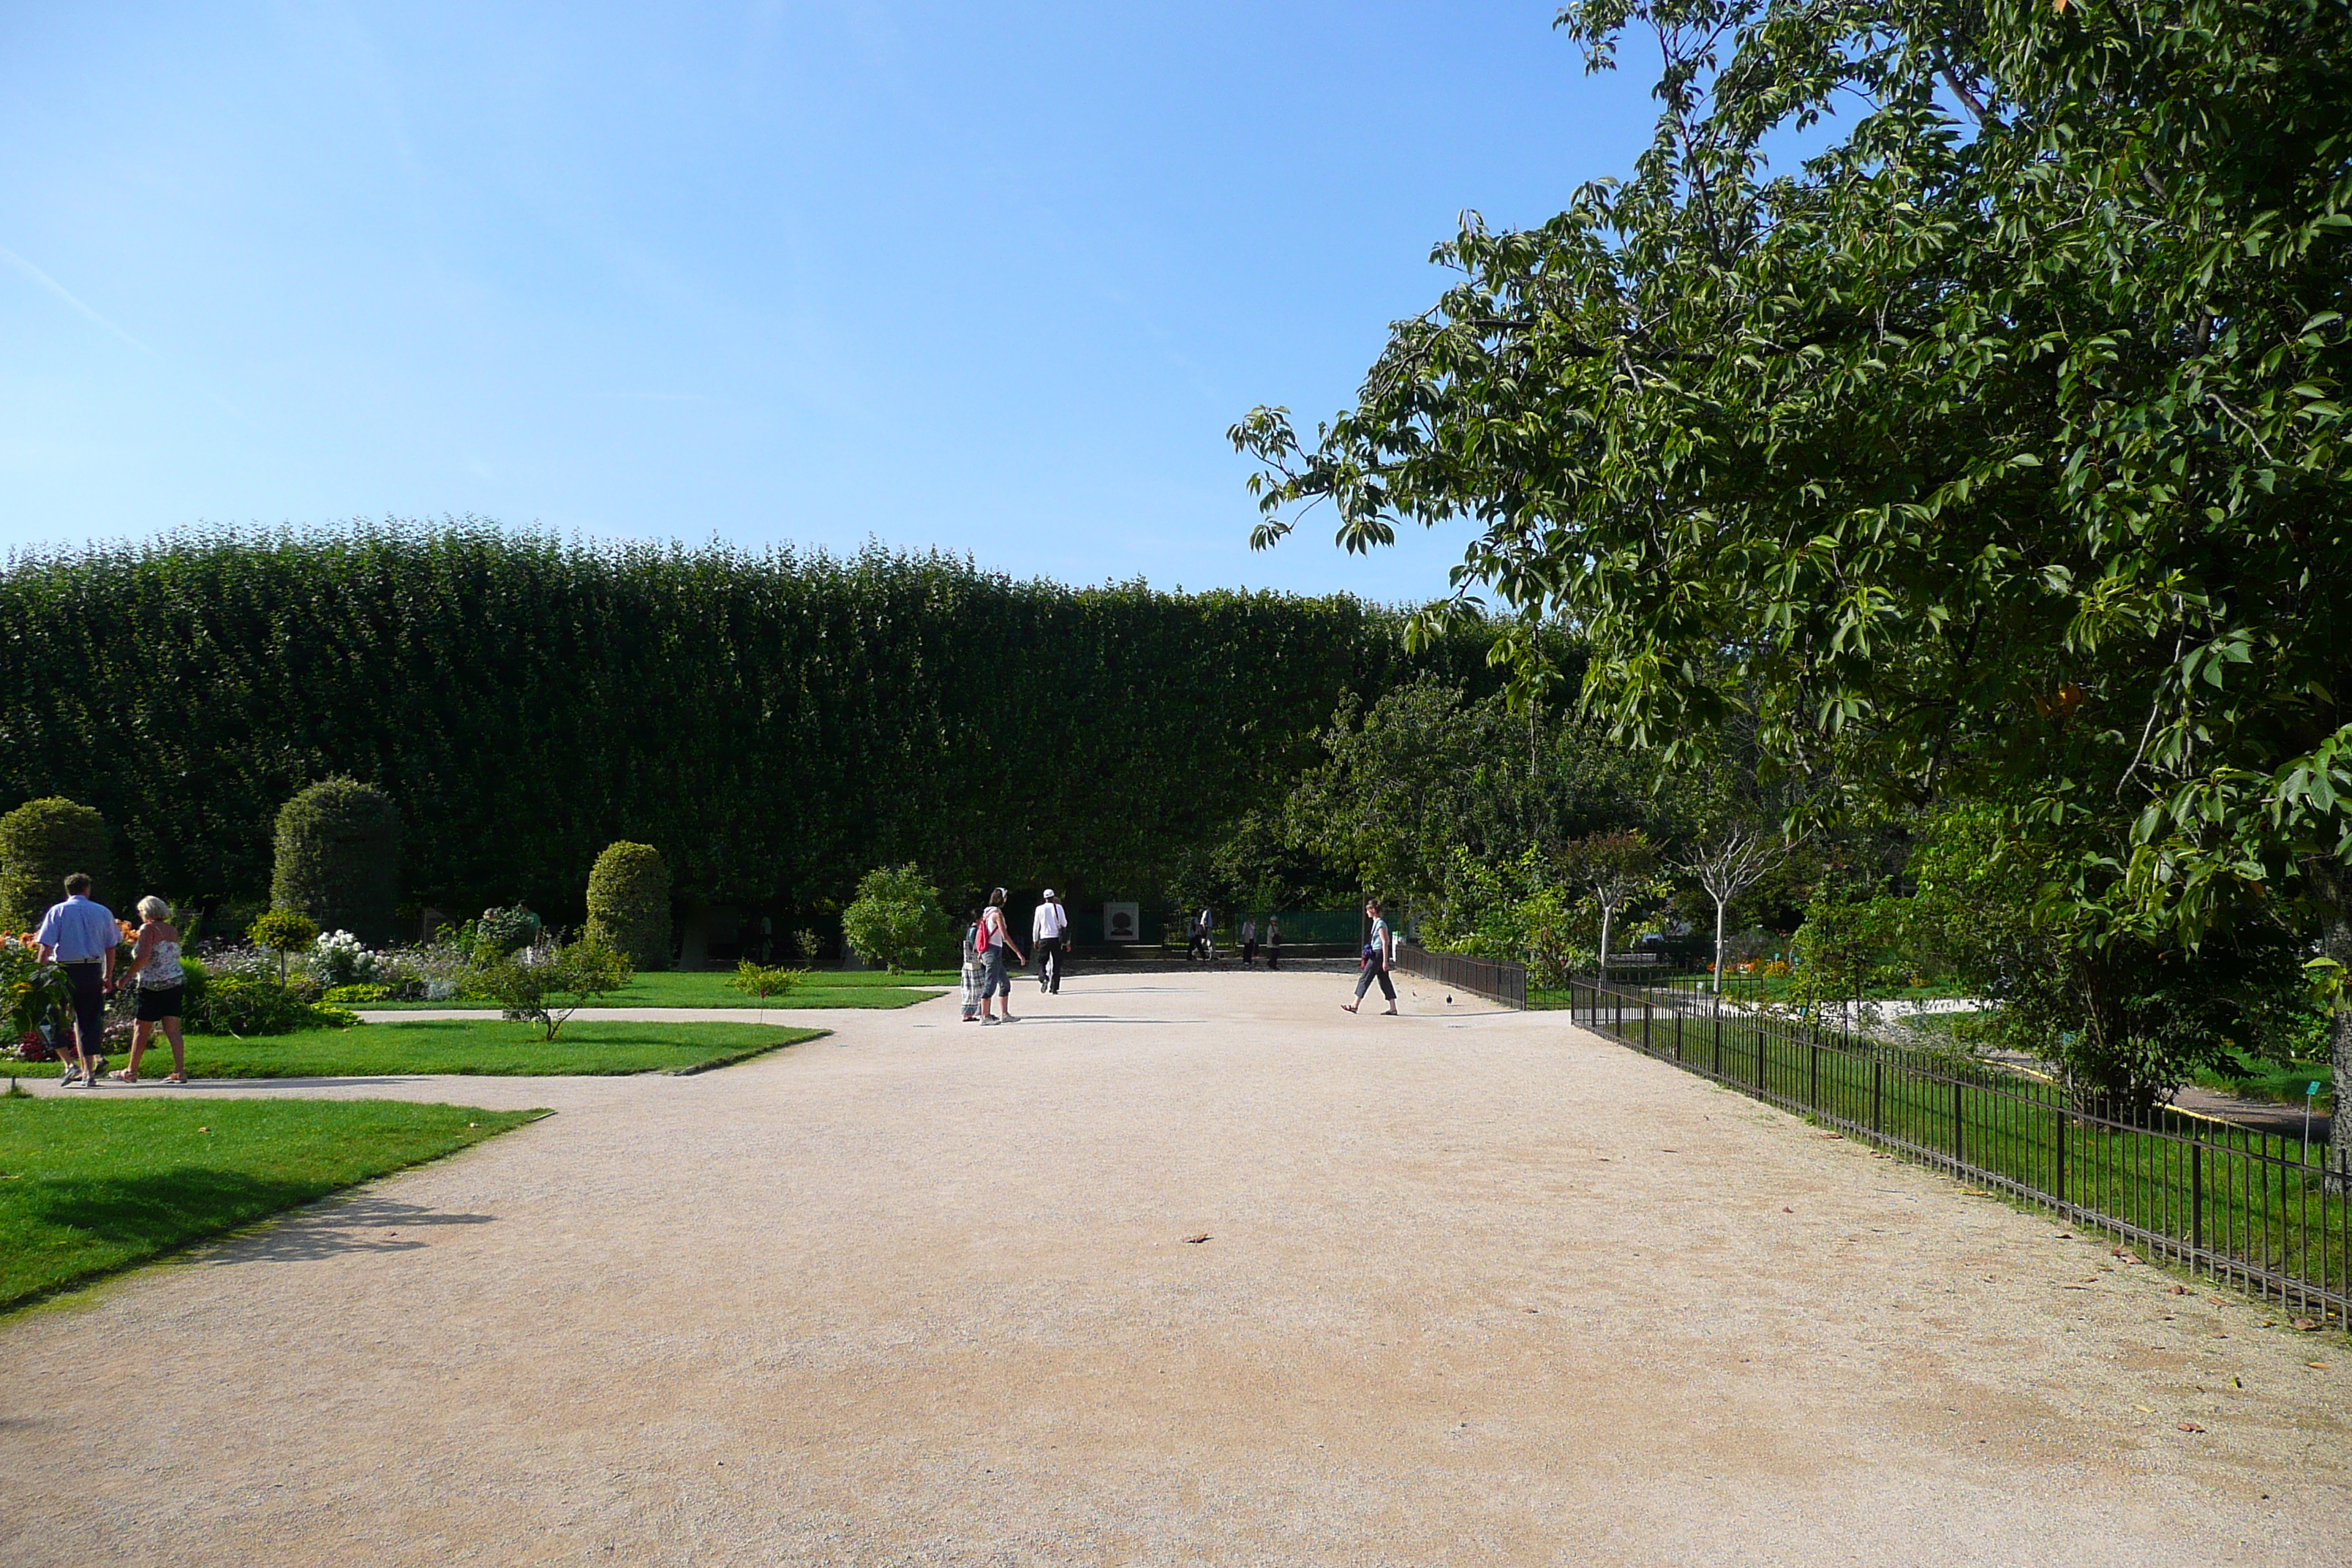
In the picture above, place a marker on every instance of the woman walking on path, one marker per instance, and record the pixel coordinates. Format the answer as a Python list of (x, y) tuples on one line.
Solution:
[(973, 969), (1273, 942), (156, 970), (1249, 941), (994, 941), (1377, 954)]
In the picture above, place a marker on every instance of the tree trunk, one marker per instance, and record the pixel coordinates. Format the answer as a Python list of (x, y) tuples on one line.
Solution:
[(2331, 878), (1719, 904)]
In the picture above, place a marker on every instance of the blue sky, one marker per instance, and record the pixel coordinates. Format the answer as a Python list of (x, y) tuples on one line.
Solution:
[(992, 279)]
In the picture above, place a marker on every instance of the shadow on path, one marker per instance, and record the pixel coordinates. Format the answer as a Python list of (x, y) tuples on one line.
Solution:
[(361, 1224)]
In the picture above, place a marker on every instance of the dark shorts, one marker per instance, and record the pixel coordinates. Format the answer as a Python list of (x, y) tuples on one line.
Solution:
[(157, 1002)]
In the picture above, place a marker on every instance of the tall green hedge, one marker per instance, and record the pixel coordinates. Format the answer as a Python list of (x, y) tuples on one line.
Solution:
[(774, 724), (338, 857), (42, 843), (628, 902)]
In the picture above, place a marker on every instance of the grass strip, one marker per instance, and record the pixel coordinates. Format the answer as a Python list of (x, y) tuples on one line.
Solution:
[(94, 1185), (471, 1046), (706, 988)]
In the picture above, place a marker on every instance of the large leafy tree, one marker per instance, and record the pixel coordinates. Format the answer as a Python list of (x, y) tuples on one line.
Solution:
[(1999, 449)]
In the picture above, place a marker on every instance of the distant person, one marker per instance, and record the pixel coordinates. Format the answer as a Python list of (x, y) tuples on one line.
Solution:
[(974, 969), (995, 944), (80, 936), (155, 971), (1378, 953), (1049, 931), (1249, 941), (1204, 937), (1272, 943)]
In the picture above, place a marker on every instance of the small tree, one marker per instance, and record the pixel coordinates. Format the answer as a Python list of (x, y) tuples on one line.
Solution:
[(1726, 865), (1842, 950), (283, 932), (42, 843), (1615, 865), (338, 851), (896, 920), (547, 985), (628, 902)]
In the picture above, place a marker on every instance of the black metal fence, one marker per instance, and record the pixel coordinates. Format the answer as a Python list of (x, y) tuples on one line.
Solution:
[(1487, 977), (2251, 1209)]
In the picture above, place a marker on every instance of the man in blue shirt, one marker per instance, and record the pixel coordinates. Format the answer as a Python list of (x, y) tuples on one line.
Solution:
[(81, 936)]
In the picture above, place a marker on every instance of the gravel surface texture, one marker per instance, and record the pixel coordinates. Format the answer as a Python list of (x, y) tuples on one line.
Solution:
[(1475, 1288)]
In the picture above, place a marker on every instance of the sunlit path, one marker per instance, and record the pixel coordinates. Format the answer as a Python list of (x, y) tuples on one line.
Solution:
[(1476, 1289)]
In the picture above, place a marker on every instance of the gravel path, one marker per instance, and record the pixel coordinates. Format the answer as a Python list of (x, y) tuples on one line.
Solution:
[(1477, 1289)]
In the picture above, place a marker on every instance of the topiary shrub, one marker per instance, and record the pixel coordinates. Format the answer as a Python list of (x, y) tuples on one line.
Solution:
[(284, 933), (628, 903), (339, 858), (42, 843)]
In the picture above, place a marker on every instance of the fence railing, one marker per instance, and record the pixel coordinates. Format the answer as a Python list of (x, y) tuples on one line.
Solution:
[(1487, 977), (2249, 1208)]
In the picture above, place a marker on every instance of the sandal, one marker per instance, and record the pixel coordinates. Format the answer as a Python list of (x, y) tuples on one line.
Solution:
[(121, 1075), (175, 1078)]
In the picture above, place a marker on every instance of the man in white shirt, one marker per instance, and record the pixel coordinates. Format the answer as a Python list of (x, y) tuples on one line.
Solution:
[(1049, 929), (80, 935)]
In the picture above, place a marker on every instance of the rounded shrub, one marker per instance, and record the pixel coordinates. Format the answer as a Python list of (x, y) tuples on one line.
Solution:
[(339, 858), (628, 903), (501, 932), (42, 843), (896, 920), (246, 1005)]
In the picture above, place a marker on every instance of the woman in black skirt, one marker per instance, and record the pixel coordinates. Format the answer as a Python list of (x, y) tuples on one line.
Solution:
[(156, 970)]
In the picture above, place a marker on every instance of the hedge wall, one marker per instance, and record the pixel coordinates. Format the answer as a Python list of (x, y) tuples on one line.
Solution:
[(775, 725)]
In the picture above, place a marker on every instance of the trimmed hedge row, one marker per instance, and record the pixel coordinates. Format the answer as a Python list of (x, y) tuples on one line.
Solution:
[(775, 725)]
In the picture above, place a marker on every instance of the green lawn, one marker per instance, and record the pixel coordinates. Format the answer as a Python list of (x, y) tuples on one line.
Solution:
[(474, 1046), (709, 988), (93, 1185), (2281, 1081)]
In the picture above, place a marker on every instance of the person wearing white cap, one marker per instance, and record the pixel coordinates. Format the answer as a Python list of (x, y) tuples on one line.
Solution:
[(1048, 928)]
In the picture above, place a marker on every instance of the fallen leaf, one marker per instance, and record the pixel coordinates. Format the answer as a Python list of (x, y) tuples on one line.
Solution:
[(1829, 1135), (2302, 1325), (1786, 1210), (2320, 1364), (2180, 1290), (2145, 1409), (2190, 1426), (1196, 1240)]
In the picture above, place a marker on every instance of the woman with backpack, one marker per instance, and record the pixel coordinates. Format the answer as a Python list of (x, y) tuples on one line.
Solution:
[(994, 944), (973, 969)]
